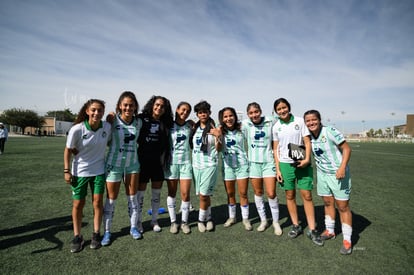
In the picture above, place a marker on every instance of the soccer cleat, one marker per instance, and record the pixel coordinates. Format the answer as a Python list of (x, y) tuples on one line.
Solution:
[(327, 236), (77, 244), (229, 222), (346, 248), (155, 227), (247, 225), (201, 227), (278, 230), (95, 243), (315, 237), (295, 231), (185, 228), (174, 228), (136, 235), (106, 240), (140, 227), (210, 225), (262, 227)]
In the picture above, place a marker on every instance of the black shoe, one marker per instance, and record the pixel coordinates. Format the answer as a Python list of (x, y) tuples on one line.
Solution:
[(295, 231), (95, 241), (315, 237), (77, 244)]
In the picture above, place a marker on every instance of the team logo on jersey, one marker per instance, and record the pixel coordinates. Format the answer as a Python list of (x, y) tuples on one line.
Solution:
[(323, 139), (180, 138), (296, 127), (259, 134), (154, 128), (85, 136), (199, 140), (318, 151), (128, 138), (104, 134), (230, 142)]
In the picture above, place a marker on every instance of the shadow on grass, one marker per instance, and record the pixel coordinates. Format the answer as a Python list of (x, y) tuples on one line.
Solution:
[(359, 223), (48, 230)]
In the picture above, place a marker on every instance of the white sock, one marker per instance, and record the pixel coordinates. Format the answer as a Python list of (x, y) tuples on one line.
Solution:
[(329, 224), (185, 211), (244, 211), (202, 215), (232, 211), (274, 208), (209, 213), (171, 208), (260, 206), (140, 200), (133, 202), (347, 232), (108, 214), (155, 203)]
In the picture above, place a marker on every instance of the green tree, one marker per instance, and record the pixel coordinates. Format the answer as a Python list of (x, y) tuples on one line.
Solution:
[(371, 133), (62, 115), (22, 118)]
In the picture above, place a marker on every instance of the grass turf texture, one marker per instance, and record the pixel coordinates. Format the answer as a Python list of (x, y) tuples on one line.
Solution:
[(36, 226)]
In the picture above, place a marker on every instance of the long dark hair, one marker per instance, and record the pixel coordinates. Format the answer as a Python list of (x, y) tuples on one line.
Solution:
[(237, 124), (281, 100), (166, 118), (82, 116), (130, 95)]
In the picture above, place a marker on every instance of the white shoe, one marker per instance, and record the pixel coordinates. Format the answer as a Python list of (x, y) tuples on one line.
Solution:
[(185, 228), (174, 228), (156, 227), (278, 230), (262, 227), (210, 225), (229, 222), (201, 227), (247, 225)]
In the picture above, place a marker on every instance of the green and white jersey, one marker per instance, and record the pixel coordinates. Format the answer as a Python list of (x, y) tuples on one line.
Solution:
[(290, 132), (259, 140), (200, 159), (123, 149), (91, 146), (328, 156), (234, 152), (180, 143)]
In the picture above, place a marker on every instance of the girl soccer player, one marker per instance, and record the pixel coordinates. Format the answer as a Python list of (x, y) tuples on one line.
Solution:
[(332, 154), (206, 143), (235, 166), (122, 163), (154, 153), (291, 129), (86, 142), (258, 132), (180, 169)]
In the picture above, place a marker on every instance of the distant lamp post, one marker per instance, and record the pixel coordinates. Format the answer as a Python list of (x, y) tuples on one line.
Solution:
[(343, 127), (363, 128), (392, 126)]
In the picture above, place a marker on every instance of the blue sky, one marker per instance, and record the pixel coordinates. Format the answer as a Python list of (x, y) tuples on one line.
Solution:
[(351, 60)]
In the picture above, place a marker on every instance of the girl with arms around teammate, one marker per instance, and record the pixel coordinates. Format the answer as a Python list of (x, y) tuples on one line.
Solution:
[(332, 154), (122, 163), (154, 153), (86, 143), (292, 129), (206, 143), (180, 170), (235, 166), (257, 130)]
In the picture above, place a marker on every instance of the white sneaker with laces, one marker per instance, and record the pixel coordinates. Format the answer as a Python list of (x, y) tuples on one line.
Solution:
[(262, 227), (278, 230)]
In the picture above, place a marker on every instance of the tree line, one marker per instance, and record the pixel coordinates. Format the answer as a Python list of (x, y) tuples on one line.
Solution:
[(24, 118)]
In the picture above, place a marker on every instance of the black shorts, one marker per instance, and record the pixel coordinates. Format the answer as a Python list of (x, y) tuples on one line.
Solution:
[(151, 171)]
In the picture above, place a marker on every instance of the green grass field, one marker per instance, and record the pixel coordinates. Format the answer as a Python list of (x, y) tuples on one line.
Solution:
[(36, 227)]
